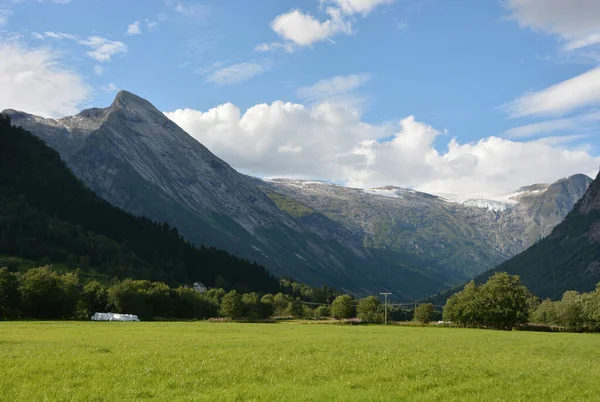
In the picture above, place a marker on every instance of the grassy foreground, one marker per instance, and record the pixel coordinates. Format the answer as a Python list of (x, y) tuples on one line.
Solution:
[(217, 361)]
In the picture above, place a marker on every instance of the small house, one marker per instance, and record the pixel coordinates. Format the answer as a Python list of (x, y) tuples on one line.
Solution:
[(200, 287)]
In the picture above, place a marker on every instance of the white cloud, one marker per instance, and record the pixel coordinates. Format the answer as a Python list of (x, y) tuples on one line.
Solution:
[(98, 69), (236, 73), (304, 29), (578, 123), (103, 49), (359, 6), (110, 87), (564, 97), (274, 46), (134, 29), (339, 90), (151, 25), (59, 35), (4, 16), (329, 142), (575, 22), (35, 81), (196, 11)]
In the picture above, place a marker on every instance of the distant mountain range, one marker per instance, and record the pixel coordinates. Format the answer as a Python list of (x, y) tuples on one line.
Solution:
[(364, 241)]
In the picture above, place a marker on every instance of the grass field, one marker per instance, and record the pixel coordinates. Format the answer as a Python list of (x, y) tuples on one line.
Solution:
[(290, 361)]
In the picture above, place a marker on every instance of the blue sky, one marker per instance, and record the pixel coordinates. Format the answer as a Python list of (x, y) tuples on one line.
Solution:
[(439, 95)]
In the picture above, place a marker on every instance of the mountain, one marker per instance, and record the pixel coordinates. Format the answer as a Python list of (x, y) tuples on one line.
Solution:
[(409, 243), (134, 157), (567, 259), (47, 214), (467, 234)]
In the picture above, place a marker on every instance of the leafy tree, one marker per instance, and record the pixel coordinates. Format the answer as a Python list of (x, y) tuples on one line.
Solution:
[(463, 308), (232, 305), (295, 308), (501, 303), (188, 303), (342, 307), (281, 304), (369, 309), (267, 305), (322, 312), (9, 294), (545, 313), (253, 308), (95, 297), (570, 311), (143, 298), (423, 313), (591, 308), (214, 295), (505, 301), (48, 295)]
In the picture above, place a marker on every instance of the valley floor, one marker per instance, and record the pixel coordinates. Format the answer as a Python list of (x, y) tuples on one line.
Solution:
[(290, 361)]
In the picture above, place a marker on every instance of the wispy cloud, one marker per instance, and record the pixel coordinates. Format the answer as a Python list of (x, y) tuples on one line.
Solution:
[(574, 22), (567, 96), (581, 123), (102, 49), (110, 87), (4, 16), (237, 73), (341, 90), (275, 46)]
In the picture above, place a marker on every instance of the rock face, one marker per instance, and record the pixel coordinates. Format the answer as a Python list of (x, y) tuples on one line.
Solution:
[(465, 234), (406, 242), (568, 258)]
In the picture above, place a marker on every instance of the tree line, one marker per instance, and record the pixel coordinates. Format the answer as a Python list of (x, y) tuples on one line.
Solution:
[(42, 293), (504, 303), (501, 303)]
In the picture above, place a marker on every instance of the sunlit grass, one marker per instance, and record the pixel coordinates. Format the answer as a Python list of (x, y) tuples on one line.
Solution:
[(287, 361)]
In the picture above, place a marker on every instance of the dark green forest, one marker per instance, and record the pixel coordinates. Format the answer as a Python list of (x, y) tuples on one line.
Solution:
[(48, 215)]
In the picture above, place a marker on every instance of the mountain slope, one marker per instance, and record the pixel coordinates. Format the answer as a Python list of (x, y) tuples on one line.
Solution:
[(47, 213), (131, 155), (567, 259), (468, 236)]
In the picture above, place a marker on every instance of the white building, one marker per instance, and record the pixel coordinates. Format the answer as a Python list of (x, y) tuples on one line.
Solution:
[(200, 287)]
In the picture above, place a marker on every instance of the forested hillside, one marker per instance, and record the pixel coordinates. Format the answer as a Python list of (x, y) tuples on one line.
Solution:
[(47, 214)]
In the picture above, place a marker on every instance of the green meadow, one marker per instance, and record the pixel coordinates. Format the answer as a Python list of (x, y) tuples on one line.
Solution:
[(110, 361)]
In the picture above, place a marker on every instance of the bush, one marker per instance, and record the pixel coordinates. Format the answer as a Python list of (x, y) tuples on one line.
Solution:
[(369, 310), (322, 312), (232, 305), (424, 313), (342, 307)]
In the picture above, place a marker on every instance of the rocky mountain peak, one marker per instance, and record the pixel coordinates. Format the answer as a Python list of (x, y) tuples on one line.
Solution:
[(591, 199)]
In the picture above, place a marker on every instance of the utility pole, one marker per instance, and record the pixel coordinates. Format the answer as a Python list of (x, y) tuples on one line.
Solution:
[(385, 295)]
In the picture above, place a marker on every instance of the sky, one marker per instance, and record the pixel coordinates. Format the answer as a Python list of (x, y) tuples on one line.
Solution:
[(465, 97)]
